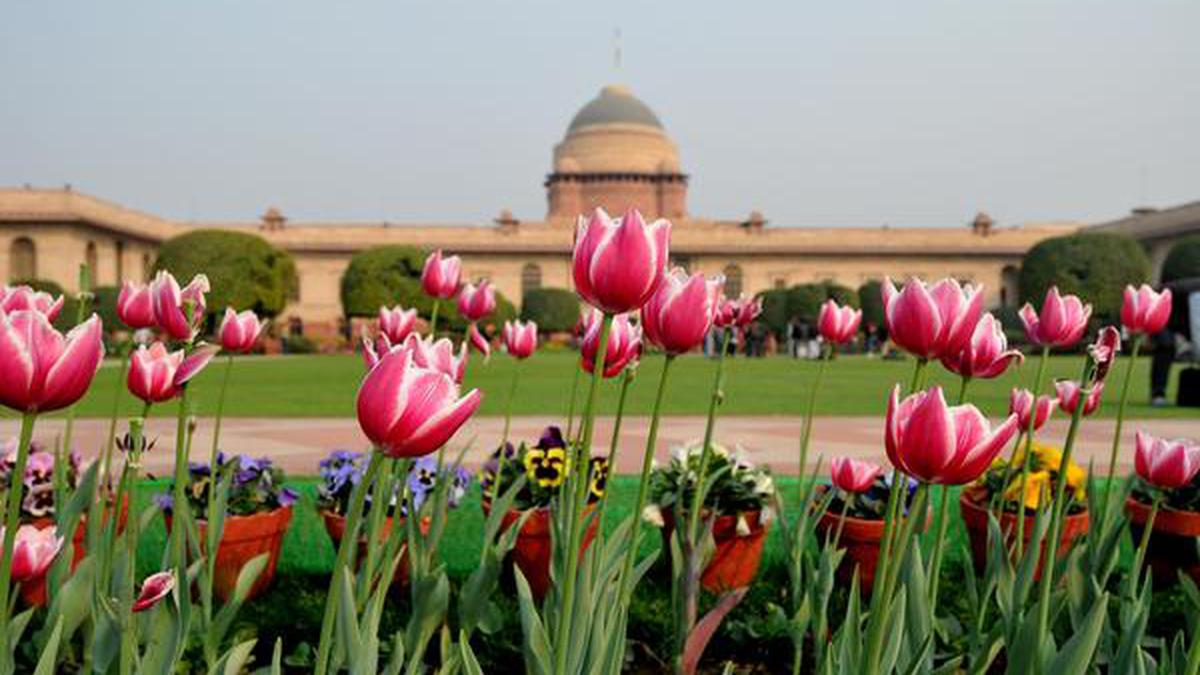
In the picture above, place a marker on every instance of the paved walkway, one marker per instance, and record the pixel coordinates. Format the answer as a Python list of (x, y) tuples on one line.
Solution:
[(297, 444)]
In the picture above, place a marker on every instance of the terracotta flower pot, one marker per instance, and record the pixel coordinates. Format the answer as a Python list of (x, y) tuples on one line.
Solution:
[(1172, 546), (736, 557), (534, 548), (335, 526), (243, 539), (861, 537), (34, 592), (975, 517)]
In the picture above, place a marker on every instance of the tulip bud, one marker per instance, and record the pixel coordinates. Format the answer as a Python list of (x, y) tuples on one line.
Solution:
[(42, 369), (239, 331), (478, 341), (1021, 402), (441, 276), (1069, 393), (135, 306), (618, 263), (520, 338), (154, 588), (838, 325), (624, 343), (985, 354), (1061, 323), (1168, 465), (476, 302), (17, 298), (178, 311), (853, 475), (1145, 312), (931, 322), (738, 313), (33, 551), (396, 323), (156, 375), (436, 355), (680, 313), (1104, 351)]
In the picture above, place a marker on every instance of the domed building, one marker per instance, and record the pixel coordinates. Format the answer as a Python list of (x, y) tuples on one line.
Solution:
[(616, 155)]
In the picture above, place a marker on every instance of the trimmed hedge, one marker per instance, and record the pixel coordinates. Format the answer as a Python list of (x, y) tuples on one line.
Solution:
[(1183, 260), (245, 271), (870, 300), (1094, 266), (554, 309), (803, 300)]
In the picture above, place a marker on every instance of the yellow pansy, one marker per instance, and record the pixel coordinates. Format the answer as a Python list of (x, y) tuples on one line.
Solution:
[(546, 468), (1036, 485)]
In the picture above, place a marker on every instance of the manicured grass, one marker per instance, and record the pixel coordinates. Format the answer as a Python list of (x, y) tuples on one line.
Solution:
[(325, 386)]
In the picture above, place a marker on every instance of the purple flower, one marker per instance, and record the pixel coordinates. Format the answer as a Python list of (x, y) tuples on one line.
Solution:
[(287, 496), (551, 438), (164, 501)]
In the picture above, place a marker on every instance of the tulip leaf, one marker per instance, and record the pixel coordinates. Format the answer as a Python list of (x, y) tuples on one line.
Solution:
[(1075, 657), (49, 658), (470, 664), (72, 601), (538, 656), (164, 636), (698, 639), (233, 661)]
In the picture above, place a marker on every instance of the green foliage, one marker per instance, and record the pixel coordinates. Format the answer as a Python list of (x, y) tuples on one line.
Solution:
[(245, 271), (1094, 266), (554, 309), (1183, 260), (299, 344), (802, 300), (385, 275), (870, 299), (775, 313), (104, 303)]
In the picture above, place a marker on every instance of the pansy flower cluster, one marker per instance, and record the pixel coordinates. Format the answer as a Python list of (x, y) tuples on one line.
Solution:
[(256, 486), (737, 485), (37, 490), (344, 469), (545, 466), (1038, 485)]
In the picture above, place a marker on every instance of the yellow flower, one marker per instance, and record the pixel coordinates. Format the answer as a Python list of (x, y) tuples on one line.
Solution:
[(1037, 485), (1049, 458), (598, 477), (546, 468)]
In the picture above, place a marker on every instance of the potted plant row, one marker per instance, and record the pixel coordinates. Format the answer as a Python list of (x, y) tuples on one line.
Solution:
[(1174, 544)]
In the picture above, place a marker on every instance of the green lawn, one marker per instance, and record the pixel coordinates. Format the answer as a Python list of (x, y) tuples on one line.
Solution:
[(324, 386)]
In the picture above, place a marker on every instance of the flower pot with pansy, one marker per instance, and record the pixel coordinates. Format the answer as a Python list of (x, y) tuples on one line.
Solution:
[(737, 508), (343, 469), (545, 468), (1009, 494), (1166, 498), (258, 514)]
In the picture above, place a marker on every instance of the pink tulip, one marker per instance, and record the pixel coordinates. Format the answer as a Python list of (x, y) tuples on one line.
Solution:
[(436, 355), (624, 343), (618, 263), (1068, 396), (838, 325), (178, 311), (33, 551), (156, 375), (1104, 351), (410, 411), (441, 276), (154, 588), (16, 298), (681, 312), (373, 350), (42, 370), (479, 341), (936, 443), (931, 322), (396, 323), (1020, 403), (853, 475), (239, 331), (1061, 323), (986, 354), (135, 305), (1168, 465), (1144, 311), (738, 313), (476, 302), (520, 338)]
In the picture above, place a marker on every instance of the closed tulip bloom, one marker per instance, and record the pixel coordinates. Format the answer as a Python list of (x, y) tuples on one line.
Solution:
[(154, 588), (239, 330), (410, 411), (178, 311), (520, 338), (33, 551), (1165, 464), (477, 301), (441, 276), (135, 305), (853, 475), (1061, 323), (479, 341), (681, 312), (1145, 312), (1104, 351), (618, 263), (42, 369), (837, 324), (624, 343), (156, 375), (1021, 403), (1069, 392), (16, 298), (937, 443), (437, 355), (397, 323), (931, 322), (986, 354), (738, 313)]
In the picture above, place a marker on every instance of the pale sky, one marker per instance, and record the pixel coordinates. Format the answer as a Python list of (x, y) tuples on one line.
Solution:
[(829, 113)]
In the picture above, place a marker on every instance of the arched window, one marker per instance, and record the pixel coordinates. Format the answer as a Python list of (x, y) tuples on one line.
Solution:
[(92, 260), (531, 278), (733, 281), (22, 260), (1010, 278)]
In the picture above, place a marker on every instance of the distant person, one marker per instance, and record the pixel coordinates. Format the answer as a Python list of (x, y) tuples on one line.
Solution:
[(795, 336), (1163, 345), (871, 342)]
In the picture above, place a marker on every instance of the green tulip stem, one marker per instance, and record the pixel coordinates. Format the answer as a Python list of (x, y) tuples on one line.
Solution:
[(935, 560), (512, 394), (846, 503), (433, 317), (133, 463), (1144, 544), (1029, 433), (571, 406), (1116, 442), (214, 536), (809, 413), (12, 520), (179, 495), (614, 443), (578, 479), (111, 439)]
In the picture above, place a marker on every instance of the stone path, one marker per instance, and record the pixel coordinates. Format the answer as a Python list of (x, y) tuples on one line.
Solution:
[(297, 444)]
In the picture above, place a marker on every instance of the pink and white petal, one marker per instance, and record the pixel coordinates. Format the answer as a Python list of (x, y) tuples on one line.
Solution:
[(928, 440), (194, 363), (382, 396), (71, 374), (438, 429)]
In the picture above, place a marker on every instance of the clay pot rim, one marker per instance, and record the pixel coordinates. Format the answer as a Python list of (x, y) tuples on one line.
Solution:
[(1168, 521), (975, 507)]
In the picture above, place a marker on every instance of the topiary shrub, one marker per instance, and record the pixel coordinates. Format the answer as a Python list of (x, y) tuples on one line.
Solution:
[(246, 271), (775, 310), (1094, 266), (870, 300), (385, 275), (805, 300), (554, 309), (1183, 260)]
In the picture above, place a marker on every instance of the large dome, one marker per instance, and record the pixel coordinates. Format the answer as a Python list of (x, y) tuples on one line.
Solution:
[(615, 104)]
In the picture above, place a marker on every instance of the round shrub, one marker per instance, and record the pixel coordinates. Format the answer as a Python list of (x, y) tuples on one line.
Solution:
[(1094, 266), (554, 309), (246, 272), (805, 300), (775, 310), (1183, 260), (385, 275), (870, 300)]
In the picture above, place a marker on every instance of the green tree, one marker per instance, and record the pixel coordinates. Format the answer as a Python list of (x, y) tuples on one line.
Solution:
[(384, 275), (554, 309), (775, 310), (1094, 266), (870, 299), (1183, 260), (245, 271)]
